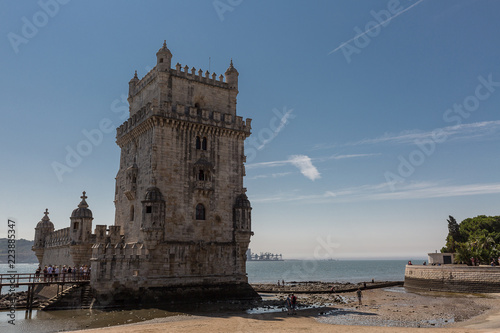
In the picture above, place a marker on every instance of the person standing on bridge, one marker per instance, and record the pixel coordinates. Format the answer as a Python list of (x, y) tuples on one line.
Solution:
[(37, 273), (56, 272), (50, 272)]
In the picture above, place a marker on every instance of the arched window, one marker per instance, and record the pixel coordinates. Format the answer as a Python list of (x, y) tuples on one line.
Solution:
[(132, 213), (204, 144), (200, 212), (198, 143), (201, 175), (161, 60)]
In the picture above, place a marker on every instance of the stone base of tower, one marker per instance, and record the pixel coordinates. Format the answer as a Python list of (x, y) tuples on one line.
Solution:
[(186, 295)]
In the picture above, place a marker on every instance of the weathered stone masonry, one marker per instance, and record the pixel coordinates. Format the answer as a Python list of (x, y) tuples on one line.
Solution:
[(453, 278), (182, 220), (180, 202)]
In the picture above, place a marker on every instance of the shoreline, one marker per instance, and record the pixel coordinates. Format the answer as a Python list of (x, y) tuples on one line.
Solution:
[(383, 310)]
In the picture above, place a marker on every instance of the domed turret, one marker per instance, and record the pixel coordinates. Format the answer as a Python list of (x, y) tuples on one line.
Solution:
[(42, 230), (232, 76), (153, 194), (163, 58), (153, 217), (131, 85), (82, 210), (242, 201), (81, 222), (45, 223), (242, 214)]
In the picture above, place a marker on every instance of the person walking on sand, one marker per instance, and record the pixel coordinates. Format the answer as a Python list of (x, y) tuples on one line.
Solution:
[(288, 304), (358, 293), (294, 304)]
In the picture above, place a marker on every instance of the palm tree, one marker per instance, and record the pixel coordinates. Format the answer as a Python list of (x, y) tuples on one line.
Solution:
[(463, 253)]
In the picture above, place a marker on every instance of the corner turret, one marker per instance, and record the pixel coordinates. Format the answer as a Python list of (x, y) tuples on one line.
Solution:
[(232, 76), (131, 87), (81, 222), (44, 228), (163, 58)]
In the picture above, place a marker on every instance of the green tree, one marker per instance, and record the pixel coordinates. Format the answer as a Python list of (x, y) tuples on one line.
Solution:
[(454, 235), (477, 237)]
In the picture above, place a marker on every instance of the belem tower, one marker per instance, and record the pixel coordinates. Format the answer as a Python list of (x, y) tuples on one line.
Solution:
[(183, 221)]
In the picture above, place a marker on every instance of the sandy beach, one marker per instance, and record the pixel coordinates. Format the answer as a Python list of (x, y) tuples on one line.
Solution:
[(383, 310)]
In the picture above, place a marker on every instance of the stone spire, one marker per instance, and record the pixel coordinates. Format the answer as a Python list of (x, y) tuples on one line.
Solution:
[(163, 57), (83, 203), (46, 216), (232, 76)]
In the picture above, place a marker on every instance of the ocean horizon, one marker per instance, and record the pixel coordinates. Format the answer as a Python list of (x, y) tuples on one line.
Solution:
[(300, 270)]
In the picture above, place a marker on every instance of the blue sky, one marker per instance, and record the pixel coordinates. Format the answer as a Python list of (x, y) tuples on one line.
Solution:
[(372, 120)]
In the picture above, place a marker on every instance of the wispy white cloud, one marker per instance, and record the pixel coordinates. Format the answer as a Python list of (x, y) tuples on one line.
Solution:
[(271, 164), (305, 166), (272, 175), (456, 132), (422, 190), (301, 162)]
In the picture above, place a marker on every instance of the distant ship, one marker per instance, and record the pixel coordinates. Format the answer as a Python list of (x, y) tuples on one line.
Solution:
[(267, 256)]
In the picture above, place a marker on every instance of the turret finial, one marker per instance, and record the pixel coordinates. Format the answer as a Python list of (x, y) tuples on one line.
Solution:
[(83, 204), (46, 216), (165, 43), (135, 75)]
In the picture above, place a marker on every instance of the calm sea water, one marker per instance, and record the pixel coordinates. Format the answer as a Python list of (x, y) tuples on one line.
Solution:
[(301, 270), (258, 272), (326, 270)]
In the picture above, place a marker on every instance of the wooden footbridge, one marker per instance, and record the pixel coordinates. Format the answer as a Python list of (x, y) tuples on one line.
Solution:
[(14, 281)]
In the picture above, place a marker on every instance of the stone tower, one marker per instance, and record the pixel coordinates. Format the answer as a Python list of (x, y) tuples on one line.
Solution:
[(81, 233), (181, 207), (44, 228), (71, 246)]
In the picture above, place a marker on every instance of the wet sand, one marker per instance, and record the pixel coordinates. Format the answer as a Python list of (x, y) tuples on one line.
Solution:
[(404, 312)]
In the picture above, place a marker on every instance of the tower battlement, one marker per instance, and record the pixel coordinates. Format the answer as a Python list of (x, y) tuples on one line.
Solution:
[(182, 72), (183, 85), (202, 120), (182, 219)]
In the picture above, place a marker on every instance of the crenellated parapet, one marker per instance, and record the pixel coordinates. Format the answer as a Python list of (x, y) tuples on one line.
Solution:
[(59, 237), (181, 72), (199, 76), (119, 251), (107, 236), (186, 116)]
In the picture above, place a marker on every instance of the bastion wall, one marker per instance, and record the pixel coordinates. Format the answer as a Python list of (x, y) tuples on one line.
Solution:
[(453, 278)]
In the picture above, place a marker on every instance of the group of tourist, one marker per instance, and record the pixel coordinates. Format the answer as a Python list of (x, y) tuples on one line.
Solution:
[(65, 273)]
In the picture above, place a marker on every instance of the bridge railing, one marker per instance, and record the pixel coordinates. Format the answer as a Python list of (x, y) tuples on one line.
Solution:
[(26, 278)]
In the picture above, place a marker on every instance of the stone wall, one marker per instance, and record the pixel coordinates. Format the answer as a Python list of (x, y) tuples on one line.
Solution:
[(58, 256), (454, 278)]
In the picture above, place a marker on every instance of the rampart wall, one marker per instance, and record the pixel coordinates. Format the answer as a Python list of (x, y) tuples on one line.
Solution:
[(453, 278)]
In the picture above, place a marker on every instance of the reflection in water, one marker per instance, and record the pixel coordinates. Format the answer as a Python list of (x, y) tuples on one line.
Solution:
[(67, 320)]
